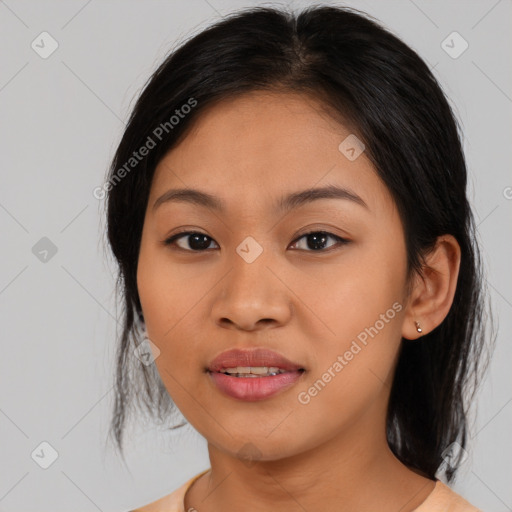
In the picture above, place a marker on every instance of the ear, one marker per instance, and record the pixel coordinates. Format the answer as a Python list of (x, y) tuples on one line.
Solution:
[(432, 293)]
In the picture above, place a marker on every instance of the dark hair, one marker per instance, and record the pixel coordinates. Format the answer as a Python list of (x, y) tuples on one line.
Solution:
[(368, 79)]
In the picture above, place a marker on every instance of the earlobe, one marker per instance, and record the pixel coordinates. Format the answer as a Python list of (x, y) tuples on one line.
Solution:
[(433, 292)]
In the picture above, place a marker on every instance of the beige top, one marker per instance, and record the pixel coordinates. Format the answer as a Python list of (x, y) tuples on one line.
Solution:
[(441, 499)]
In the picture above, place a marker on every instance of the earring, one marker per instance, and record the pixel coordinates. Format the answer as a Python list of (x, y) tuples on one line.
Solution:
[(418, 327)]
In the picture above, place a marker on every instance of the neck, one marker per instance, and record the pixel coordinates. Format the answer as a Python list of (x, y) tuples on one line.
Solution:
[(353, 471)]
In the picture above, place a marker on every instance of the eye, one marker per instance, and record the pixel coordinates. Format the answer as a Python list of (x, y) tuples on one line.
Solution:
[(318, 239), (197, 241)]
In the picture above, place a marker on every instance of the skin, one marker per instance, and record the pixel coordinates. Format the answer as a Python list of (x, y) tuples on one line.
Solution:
[(306, 304)]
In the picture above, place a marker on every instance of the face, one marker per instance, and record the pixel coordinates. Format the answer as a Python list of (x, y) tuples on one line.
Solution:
[(319, 281)]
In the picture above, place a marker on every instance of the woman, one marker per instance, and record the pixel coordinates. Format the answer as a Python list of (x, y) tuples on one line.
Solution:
[(288, 210)]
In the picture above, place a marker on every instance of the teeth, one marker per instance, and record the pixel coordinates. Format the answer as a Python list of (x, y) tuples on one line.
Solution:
[(253, 371)]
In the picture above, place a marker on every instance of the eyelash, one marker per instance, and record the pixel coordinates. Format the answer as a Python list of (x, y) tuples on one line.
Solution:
[(340, 241)]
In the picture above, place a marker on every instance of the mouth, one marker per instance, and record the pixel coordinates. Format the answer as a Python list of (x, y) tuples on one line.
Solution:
[(252, 375), (253, 371)]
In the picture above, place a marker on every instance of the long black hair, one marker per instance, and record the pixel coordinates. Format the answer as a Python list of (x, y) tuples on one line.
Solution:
[(371, 81)]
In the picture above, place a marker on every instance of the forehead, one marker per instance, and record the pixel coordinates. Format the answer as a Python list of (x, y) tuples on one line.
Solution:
[(265, 144)]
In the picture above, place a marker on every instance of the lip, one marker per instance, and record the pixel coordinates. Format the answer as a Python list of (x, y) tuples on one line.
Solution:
[(253, 388), (252, 357)]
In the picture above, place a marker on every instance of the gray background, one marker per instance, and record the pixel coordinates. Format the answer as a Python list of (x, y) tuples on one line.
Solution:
[(61, 118)]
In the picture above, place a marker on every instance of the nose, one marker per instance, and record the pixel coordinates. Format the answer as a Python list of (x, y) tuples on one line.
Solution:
[(252, 296)]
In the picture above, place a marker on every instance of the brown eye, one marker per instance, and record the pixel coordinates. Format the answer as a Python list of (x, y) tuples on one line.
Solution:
[(196, 241), (316, 241)]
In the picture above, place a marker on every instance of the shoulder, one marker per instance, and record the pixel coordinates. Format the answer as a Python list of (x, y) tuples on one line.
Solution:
[(443, 498), (173, 502)]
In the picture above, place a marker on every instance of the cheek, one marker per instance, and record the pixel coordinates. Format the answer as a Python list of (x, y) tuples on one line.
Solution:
[(343, 297), (357, 323), (352, 375), (171, 303), (166, 291)]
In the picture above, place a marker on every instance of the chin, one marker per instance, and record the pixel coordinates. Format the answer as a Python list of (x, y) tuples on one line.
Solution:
[(260, 448)]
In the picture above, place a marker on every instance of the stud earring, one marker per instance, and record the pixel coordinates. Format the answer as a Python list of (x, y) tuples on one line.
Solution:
[(418, 327)]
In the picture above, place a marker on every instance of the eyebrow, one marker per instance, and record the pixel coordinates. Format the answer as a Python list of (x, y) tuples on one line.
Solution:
[(285, 203)]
